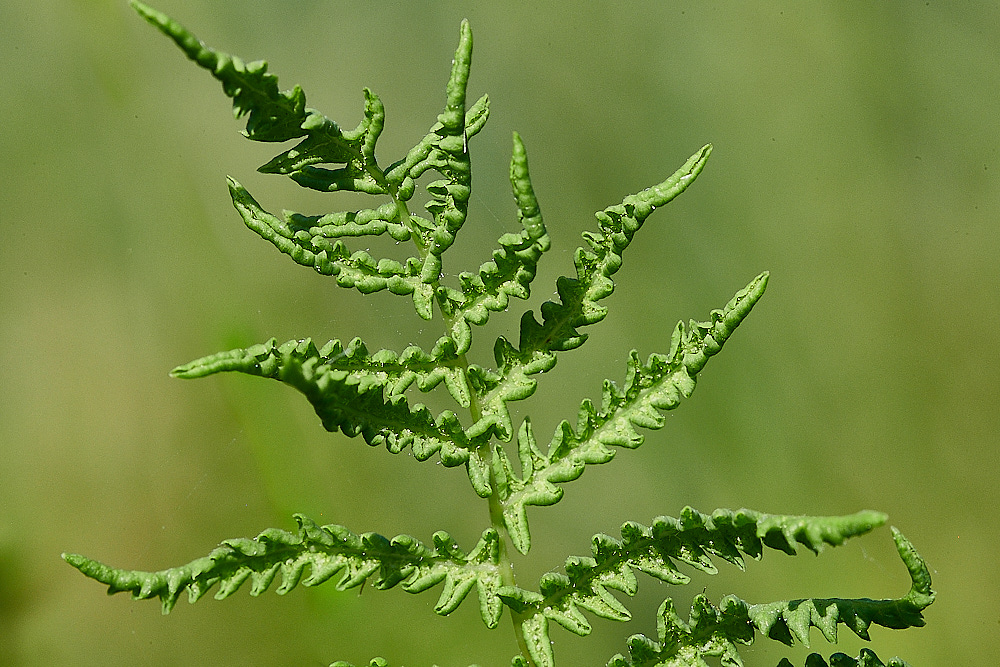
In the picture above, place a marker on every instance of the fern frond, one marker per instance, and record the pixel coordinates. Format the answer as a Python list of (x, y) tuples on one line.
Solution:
[(392, 372), (323, 551), (362, 393), (715, 631), (658, 385), (655, 550)]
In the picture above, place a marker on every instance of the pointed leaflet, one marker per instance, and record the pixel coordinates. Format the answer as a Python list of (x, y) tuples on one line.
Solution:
[(450, 196), (314, 555), (352, 402), (649, 389), (347, 403), (392, 372), (276, 116), (578, 296), (328, 255), (788, 621), (594, 267), (692, 539), (513, 267), (712, 631)]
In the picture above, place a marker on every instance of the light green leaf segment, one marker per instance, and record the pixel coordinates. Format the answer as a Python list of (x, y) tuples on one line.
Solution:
[(363, 393)]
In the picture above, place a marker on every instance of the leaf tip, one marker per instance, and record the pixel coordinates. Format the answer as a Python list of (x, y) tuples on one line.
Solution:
[(921, 595), (141, 7)]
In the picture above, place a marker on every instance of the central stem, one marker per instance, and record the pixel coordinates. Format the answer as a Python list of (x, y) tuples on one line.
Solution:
[(485, 451), (487, 454)]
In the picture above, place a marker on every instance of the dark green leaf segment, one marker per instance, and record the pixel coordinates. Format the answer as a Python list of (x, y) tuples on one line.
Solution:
[(374, 395)]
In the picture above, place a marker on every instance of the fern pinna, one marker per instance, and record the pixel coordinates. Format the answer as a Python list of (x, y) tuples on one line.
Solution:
[(364, 393)]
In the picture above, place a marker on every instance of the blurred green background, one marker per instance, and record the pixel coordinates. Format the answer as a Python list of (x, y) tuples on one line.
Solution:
[(856, 158)]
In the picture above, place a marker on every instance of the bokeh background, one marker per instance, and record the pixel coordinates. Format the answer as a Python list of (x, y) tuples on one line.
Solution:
[(856, 158)]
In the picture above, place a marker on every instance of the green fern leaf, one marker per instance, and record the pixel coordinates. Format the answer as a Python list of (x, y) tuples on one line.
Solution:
[(450, 154), (716, 631), (276, 116), (272, 115), (323, 251), (578, 306), (595, 266), (787, 620), (325, 551), (392, 372), (588, 583), (513, 267), (349, 404), (649, 388), (362, 393)]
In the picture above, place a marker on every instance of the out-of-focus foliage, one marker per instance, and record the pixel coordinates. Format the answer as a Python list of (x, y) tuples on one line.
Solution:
[(856, 153)]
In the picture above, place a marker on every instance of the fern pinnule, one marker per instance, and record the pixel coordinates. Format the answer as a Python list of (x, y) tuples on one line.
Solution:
[(272, 115)]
